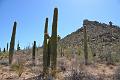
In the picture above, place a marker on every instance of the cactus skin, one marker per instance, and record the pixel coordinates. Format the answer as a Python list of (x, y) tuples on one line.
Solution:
[(85, 43), (12, 43), (45, 48), (7, 46), (33, 53), (54, 42)]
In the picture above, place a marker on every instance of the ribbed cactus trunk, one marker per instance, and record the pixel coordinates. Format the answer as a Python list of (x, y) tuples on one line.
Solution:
[(45, 48), (7, 46), (33, 53), (54, 42), (85, 45), (12, 43)]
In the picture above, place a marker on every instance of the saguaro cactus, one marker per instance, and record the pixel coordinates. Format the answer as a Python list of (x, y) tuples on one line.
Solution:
[(18, 46), (12, 43), (110, 23), (0, 49), (33, 53), (54, 41), (4, 50), (7, 46), (85, 43), (45, 48)]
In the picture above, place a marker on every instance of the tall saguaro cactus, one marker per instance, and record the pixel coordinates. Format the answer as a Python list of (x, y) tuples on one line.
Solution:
[(12, 43), (54, 41), (45, 48), (33, 53), (85, 43)]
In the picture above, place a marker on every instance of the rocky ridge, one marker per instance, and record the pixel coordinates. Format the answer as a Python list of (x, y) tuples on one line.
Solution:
[(102, 38)]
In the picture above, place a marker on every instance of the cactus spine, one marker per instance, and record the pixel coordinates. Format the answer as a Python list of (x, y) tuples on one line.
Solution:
[(45, 48), (85, 44), (33, 53), (54, 42), (12, 43)]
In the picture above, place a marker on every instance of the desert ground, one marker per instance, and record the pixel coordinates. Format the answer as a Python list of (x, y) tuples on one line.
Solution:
[(69, 67)]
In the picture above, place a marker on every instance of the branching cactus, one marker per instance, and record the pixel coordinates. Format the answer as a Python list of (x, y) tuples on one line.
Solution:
[(12, 43), (54, 42), (45, 48), (33, 53), (85, 43)]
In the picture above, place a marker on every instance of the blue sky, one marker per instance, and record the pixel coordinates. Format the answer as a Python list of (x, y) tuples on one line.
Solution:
[(30, 16)]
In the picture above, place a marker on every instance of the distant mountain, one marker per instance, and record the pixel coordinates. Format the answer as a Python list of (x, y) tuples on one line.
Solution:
[(102, 38)]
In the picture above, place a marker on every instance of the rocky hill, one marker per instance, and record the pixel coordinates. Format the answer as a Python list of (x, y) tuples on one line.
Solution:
[(102, 38)]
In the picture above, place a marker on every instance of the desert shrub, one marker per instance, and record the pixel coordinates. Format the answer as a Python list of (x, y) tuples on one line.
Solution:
[(80, 75), (4, 55), (117, 74), (109, 58), (18, 67), (116, 57)]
